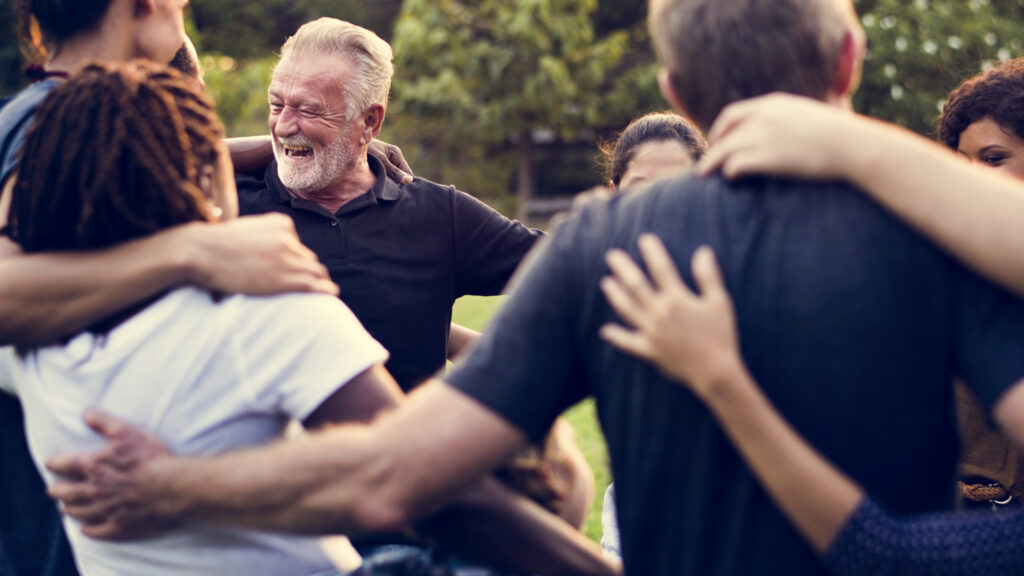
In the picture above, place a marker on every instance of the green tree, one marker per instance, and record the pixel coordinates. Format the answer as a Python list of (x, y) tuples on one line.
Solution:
[(919, 50), (494, 72), (253, 30), (11, 77)]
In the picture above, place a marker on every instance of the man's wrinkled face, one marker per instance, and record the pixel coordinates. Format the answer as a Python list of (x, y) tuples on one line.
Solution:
[(314, 142)]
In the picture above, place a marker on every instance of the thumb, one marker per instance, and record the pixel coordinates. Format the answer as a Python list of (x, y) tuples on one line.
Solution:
[(706, 272), (104, 424)]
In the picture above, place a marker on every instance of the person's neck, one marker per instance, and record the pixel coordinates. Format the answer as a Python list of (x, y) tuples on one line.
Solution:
[(105, 43), (353, 182), (842, 101)]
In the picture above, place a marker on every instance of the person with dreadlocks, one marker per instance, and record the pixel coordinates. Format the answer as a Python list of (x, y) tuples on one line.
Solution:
[(148, 155), (232, 371), (47, 296)]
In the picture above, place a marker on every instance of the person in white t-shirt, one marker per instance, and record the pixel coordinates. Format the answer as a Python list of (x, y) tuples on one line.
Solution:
[(207, 374)]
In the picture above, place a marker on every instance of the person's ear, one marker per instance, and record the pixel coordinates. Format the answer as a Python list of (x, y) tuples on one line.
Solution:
[(206, 175), (668, 91), (848, 64), (373, 119)]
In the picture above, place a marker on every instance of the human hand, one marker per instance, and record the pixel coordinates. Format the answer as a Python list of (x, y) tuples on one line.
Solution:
[(108, 491), (394, 162), (253, 255), (689, 337), (782, 135)]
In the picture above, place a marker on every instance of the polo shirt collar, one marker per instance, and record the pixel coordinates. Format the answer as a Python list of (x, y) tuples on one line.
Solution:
[(385, 189)]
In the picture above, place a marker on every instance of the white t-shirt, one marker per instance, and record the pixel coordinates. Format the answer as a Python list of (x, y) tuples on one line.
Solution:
[(205, 377)]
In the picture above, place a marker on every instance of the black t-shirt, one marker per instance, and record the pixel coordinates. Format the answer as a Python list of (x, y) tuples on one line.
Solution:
[(402, 255), (853, 325)]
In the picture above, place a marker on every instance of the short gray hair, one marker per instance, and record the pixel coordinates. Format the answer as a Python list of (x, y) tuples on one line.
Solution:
[(721, 51), (370, 55)]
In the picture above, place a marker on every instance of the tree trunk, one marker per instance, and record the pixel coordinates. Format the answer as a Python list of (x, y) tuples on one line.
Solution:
[(526, 181)]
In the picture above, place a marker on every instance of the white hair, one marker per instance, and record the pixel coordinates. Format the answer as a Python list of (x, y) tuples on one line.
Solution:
[(370, 55)]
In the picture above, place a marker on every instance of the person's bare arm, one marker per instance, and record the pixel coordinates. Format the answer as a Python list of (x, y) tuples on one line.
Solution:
[(692, 339), (528, 540), (970, 211), (250, 153), (460, 338), (44, 297), (347, 478)]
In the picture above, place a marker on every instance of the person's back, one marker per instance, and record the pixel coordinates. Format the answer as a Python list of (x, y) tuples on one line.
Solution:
[(206, 377), (853, 325)]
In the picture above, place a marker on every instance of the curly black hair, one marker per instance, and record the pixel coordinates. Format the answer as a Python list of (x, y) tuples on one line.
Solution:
[(997, 94)]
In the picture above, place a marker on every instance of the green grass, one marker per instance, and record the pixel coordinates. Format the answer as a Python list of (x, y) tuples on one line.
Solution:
[(474, 312)]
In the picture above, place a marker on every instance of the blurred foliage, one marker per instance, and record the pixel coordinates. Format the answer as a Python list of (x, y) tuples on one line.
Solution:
[(247, 30), (474, 78), (489, 73), (240, 90), (11, 77), (471, 75), (919, 50)]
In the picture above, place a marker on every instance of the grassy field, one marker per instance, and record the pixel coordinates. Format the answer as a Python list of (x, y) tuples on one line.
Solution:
[(474, 312)]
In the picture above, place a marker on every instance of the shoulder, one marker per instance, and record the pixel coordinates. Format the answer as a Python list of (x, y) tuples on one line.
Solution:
[(293, 316), (15, 119), (421, 191)]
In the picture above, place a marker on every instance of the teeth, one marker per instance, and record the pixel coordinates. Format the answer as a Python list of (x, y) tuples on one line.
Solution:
[(296, 151)]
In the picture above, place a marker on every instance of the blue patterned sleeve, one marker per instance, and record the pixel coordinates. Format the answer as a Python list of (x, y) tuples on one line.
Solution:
[(872, 543)]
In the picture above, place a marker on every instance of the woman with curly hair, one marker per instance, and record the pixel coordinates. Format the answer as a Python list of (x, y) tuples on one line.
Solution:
[(983, 121)]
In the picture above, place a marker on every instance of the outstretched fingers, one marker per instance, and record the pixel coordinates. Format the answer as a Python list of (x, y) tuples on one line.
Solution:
[(660, 264), (629, 341), (707, 274), (629, 276)]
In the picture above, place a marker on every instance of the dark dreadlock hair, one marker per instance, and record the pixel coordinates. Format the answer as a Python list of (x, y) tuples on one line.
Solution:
[(115, 153)]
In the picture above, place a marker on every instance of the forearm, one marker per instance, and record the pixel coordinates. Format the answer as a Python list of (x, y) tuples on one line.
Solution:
[(972, 212), (44, 297), (290, 486), (250, 154), (496, 526), (459, 339), (816, 497)]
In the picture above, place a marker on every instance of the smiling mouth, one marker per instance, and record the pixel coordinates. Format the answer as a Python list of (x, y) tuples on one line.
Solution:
[(293, 151)]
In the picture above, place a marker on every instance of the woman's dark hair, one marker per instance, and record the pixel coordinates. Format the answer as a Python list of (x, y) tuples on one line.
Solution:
[(57, 21), (655, 127), (997, 94), (116, 152)]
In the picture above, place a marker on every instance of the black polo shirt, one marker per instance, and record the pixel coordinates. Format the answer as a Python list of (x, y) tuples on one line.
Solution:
[(402, 254)]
